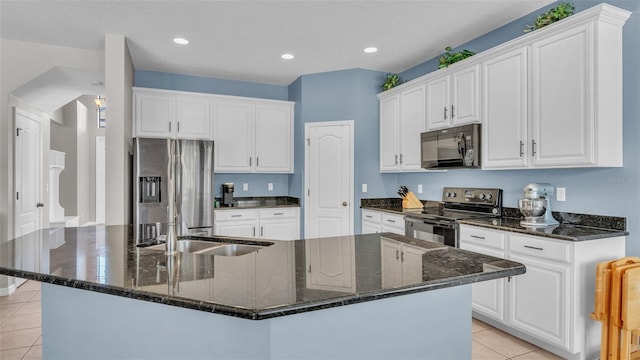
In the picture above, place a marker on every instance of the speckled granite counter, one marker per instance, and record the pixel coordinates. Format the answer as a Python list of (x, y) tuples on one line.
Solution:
[(280, 274), (565, 231), (261, 202)]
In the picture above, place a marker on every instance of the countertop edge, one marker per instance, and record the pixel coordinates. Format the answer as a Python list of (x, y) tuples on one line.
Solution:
[(532, 232), (253, 314)]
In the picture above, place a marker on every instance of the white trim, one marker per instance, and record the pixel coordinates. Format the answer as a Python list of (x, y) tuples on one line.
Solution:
[(307, 127)]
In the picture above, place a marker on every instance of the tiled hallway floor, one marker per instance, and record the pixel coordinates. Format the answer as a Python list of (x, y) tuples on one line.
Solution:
[(20, 328), (20, 323)]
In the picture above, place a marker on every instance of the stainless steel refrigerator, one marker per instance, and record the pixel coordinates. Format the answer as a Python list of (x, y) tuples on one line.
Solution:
[(193, 164)]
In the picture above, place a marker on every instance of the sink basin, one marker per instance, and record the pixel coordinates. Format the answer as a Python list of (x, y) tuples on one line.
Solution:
[(210, 248), (248, 203), (232, 250)]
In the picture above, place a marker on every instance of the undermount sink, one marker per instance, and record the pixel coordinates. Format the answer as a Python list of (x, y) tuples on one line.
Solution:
[(201, 247)]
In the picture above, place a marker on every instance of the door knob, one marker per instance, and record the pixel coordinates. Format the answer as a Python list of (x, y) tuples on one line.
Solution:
[(344, 203), (39, 205)]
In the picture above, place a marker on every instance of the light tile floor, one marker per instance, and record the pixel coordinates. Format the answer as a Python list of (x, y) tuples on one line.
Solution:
[(20, 332), (20, 323)]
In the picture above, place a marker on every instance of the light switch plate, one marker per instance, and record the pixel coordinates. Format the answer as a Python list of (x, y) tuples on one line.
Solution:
[(270, 186), (419, 188), (364, 188), (561, 194), (245, 187)]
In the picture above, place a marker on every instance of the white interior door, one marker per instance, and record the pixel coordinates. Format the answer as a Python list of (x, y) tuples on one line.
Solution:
[(27, 199), (329, 179), (100, 179)]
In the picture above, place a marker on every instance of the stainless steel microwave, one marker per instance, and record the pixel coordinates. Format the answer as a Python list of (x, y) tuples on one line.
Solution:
[(457, 147)]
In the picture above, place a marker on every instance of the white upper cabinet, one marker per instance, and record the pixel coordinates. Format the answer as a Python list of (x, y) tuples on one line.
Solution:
[(453, 98), (401, 122), (169, 114), (553, 98), (253, 136), (504, 132)]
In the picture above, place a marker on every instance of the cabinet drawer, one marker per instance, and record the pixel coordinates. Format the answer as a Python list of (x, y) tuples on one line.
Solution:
[(544, 249), (371, 216), (277, 213), (482, 237), (392, 220), (230, 215)]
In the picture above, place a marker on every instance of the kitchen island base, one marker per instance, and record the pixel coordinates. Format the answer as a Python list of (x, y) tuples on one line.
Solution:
[(80, 324)]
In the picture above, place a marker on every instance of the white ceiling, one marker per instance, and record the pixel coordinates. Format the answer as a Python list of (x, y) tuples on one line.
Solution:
[(243, 39)]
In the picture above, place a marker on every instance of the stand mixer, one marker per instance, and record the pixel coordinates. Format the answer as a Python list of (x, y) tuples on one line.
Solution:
[(536, 206)]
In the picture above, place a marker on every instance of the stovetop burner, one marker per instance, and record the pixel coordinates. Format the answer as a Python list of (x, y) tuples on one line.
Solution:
[(465, 203)]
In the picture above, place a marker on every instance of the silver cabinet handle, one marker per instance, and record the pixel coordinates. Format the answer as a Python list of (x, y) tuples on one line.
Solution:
[(445, 113), (257, 161), (396, 156), (178, 126), (261, 231), (369, 216), (169, 126), (400, 159), (278, 213), (39, 204), (254, 231), (250, 160), (534, 248), (389, 220), (402, 256), (533, 147), (453, 114), (477, 237), (238, 215), (397, 254), (521, 148)]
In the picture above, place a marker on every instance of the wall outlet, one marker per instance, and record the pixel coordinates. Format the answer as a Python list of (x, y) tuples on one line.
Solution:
[(561, 194), (364, 188), (419, 188), (270, 186), (245, 187)]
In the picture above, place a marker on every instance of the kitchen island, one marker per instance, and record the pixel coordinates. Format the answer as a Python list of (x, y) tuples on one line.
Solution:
[(364, 296)]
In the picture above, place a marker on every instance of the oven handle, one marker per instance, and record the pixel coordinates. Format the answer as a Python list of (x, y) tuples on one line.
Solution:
[(444, 224)]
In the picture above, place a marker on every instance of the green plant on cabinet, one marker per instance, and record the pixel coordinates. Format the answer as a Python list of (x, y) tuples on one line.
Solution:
[(559, 12), (449, 57)]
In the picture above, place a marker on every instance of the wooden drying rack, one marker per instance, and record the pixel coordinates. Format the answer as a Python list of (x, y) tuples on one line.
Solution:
[(617, 306)]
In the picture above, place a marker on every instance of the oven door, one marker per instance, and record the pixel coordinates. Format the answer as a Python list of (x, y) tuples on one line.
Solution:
[(443, 232)]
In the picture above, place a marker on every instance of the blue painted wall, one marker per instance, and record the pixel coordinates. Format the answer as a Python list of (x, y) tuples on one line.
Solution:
[(604, 191)]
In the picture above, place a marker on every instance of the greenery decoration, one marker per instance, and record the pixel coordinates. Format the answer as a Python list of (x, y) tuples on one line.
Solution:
[(559, 12), (449, 58), (391, 81)]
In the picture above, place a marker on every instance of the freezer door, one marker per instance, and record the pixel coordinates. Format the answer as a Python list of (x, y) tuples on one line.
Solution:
[(194, 185)]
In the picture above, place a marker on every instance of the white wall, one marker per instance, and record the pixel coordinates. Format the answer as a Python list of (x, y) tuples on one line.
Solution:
[(119, 79), (21, 62)]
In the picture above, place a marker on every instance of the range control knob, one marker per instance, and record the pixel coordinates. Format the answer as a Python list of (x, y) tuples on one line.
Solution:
[(481, 196), (454, 194), (489, 196), (448, 194)]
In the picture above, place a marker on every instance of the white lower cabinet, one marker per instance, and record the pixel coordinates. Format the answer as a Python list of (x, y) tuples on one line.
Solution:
[(401, 263), (550, 304), (379, 221), (265, 223)]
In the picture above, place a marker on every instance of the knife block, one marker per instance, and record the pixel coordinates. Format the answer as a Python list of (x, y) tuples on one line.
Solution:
[(411, 201)]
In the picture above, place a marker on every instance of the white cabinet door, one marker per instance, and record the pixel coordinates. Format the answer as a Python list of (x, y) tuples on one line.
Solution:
[(392, 223), (273, 138), (331, 264), (562, 99), (539, 300), (279, 229), (370, 228), (438, 113), (390, 264), (154, 114), (465, 98), (389, 142), (411, 264), (504, 131), (488, 296), (233, 136), (242, 228), (412, 123), (193, 117)]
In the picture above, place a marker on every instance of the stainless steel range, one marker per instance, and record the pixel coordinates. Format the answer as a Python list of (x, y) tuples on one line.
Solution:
[(441, 224)]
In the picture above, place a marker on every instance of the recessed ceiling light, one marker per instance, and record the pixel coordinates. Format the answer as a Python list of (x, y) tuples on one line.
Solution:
[(287, 56), (181, 41), (370, 50)]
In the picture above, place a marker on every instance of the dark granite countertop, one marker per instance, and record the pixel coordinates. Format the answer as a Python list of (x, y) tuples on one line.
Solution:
[(273, 281), (262, 202), (571, 232)]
